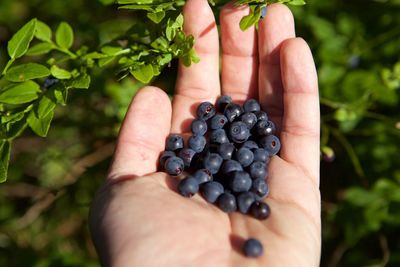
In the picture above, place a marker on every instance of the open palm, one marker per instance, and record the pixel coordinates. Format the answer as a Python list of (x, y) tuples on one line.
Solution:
[(138, 219)]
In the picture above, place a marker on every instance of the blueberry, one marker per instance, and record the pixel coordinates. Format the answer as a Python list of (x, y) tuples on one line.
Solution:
[(244, 201), (197, 143), (258, 170), (187, 154), (238, 132), (250, 145), (253, 248), (205, 111), (219, 137), (227, 202), (250, 119), (260, 188), (226, 150), (244, 156), (240, 182), (261, 155), (261, 115), (232, 111), (264, 127), (49, 82), (166, 155), (260, 210), (231, 166), (218, 122), (174, 142), (271, 143), (188, 187), (263, 12), (223, 101), (211, 191), (203, 176), (251, 105), (199, 127), (212, 162), (174, 166)]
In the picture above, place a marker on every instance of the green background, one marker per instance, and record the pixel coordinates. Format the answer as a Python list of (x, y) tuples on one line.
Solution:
[(356, 44)]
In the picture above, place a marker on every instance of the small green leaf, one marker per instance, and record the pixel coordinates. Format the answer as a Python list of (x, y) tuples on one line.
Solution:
[(297, 2), (81, 82), (144, 73), (44, 107), (43, 32), (19, 43), (5, 152), (25, 72), (39, 49), (20, 93), (61, 94), (60, 73), (248, 21), (64, 35), (156, 17), (40, 126)]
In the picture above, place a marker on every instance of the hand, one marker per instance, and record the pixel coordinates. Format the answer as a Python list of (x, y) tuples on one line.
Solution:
[(138, 219)]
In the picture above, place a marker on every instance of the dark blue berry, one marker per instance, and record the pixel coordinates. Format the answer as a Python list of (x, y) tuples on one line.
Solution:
[(188, 187), (218, 122), (203, 176), (49, 82), (260, 188), (187, 154), (249, 118), (238, 132), (205, 111), (251, 105), (219, 137), (227, 202), (166, 155), (260, 210), (271, 143), (222, 102), (244, 156), (250, 145), (264, 127), (263, 12), (211, 191), (240, 182), (261, 155), (233, 111), (174, 142), (212, 162), (226, 150), (197, 143), (174, 166), (244, 201), (199, 127), (231, 166), (258, 170), (261, 115), (253, 248)]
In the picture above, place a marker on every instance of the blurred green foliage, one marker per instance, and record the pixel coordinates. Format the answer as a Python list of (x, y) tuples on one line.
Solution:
[(356, 44)]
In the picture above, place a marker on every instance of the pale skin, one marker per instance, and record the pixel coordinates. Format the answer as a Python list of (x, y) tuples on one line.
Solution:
[(138, 219)]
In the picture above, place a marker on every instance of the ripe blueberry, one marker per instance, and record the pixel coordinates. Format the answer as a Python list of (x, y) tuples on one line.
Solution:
[(244, 201), (231, 166), (249, 118), (203, 176), (219, 137), (258, 170), (238, 132), (260, 210), (211, 191), (251, 105), (188, 187), (197, 143), (218, 122), (240, 182), (233, 111), (260, 188), (227, 202), (205, 111), (261, 115), (212, 162), (271, 143), (253, 248), (261, 155), (187, 154), (166, 155), (244, 156), (226, 150), (223, 101), (174, 142), (199, 127), (264, 127), (174, 166)]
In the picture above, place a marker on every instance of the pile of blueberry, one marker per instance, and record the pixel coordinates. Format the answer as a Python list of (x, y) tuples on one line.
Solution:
[(226, 157)]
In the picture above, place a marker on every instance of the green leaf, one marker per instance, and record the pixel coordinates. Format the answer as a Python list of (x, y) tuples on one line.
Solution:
[(64, 35), (20, 93), (144, 73), (248, 21), (25, 72), (39, 49), (297, 2), (45, 106), (40, 126), (43, 32), (19, 43), (156, 17), (81, 82), (60, 73), (5, 152)]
